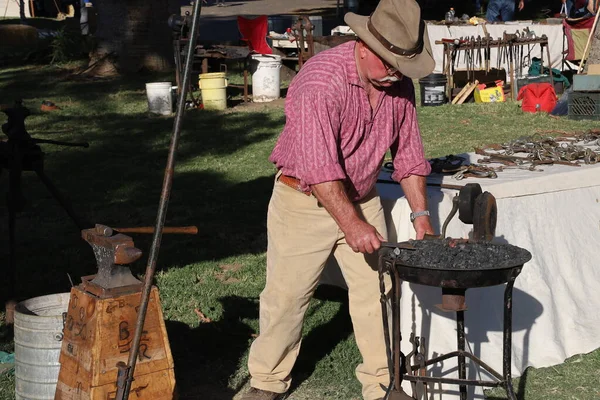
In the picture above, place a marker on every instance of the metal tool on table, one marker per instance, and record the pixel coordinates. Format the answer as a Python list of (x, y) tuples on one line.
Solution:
[(22, 153), (454, 265)]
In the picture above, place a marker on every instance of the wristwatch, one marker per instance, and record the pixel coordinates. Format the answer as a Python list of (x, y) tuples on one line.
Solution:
[(413, 216)]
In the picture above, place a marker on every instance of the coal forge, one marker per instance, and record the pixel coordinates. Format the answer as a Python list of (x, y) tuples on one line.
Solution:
[(446, 254)]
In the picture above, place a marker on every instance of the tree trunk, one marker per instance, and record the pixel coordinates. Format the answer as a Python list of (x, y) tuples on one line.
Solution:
[(132, 35), (594, 57)]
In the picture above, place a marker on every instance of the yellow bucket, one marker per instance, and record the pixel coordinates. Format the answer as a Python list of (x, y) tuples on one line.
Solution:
[(212, 87)]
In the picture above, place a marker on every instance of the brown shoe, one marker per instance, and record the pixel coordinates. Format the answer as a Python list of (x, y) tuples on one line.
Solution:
[(257, 394)]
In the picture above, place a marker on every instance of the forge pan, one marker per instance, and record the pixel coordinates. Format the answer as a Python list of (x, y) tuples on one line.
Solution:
[(451, 263)]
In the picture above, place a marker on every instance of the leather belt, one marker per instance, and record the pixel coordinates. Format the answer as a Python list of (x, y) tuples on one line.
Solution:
[(292, 182)]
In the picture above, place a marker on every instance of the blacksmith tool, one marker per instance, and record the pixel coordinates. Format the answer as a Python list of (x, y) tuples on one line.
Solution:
[(113, 252), (188, 230)]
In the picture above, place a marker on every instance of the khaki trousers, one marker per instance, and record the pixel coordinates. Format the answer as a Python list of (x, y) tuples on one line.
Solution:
[(301, 237)]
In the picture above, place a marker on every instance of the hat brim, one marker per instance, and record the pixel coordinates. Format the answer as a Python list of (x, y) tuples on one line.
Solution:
[(416, 67)]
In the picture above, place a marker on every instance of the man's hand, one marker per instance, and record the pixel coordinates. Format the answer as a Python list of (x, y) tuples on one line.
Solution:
[(423, 226), (362, 237), (521, 5)]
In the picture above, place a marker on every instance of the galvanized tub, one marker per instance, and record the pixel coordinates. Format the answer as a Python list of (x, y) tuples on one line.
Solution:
[(38, 338)]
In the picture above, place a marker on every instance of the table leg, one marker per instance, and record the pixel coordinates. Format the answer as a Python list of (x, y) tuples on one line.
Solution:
[(205, 65), (245, 84), (460, 336), (549, 65), (507, 336)]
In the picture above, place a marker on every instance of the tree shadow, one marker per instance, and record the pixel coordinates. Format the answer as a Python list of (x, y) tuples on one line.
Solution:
[(219, 185)]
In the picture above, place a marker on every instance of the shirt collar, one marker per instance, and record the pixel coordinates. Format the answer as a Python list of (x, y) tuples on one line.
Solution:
[(352, 68)]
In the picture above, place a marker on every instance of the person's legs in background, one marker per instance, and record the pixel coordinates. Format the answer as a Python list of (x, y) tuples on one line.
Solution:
[(493, 11), (507, 10)]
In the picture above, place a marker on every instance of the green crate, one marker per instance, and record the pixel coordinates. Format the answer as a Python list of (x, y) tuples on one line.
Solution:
[(584, 105)]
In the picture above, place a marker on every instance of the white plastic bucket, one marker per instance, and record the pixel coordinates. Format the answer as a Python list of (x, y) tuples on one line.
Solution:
[(265, 77), (160, 97), (38, 340), (214, 93)]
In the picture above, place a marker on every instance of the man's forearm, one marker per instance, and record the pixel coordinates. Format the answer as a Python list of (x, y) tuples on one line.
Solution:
[(415, 190), (360, 235), (333, 197)]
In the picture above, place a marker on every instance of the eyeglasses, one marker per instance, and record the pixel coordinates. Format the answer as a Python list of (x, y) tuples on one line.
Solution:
[(388, 68)]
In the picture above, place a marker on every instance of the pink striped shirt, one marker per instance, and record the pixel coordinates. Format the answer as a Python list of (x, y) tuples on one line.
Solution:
[(331, 132)]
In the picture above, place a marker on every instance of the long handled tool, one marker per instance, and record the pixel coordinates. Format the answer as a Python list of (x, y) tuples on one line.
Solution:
[(126, 372), (587, 45)]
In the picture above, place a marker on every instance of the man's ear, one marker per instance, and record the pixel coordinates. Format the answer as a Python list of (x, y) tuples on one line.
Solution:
[(362, 49)]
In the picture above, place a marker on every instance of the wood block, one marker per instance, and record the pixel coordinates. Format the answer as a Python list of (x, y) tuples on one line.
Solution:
[(593, 69), (460, 94), (468, 92), (98, 334)]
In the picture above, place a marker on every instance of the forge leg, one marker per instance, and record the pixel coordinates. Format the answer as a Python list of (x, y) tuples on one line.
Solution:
[(14, 203), (507, 348), (460, 336)]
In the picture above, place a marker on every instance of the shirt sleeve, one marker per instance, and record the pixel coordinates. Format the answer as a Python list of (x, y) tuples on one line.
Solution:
[(407, 151), (316, 115)]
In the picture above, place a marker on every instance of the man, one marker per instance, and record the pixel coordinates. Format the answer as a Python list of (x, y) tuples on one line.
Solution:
[(346, 107), (502, 10), (581, 8)]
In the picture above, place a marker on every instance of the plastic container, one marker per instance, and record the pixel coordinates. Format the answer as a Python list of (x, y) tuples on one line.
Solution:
[(160, 97), (433, 90), (584, 105), (266, 78), (38, 340), (214, 90)]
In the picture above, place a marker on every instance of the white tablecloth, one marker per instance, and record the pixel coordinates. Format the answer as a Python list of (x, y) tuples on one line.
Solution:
[(553, 32), (555, 214)]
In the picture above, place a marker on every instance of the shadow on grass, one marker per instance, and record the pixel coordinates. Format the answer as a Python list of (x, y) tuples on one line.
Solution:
[(320, 341), (220, 185), (209, 355), (500, 394)]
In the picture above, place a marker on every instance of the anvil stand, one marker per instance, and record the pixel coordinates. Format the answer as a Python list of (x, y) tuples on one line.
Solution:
[(98, 329), (17, 155)]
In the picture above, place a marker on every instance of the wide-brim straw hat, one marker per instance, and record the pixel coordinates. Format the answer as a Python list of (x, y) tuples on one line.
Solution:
[(397, 34)]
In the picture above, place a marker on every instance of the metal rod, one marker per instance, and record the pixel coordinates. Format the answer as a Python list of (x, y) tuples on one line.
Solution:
[(472, 357), (164, 202), (68, 144), (188, 230), (431, 379), (397, 338), (507, 336)]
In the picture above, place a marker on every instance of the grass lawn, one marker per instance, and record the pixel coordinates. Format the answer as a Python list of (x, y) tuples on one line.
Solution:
[(222, 184)]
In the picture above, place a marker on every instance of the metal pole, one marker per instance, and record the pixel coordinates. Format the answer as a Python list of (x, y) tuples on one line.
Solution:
[(163, 204)]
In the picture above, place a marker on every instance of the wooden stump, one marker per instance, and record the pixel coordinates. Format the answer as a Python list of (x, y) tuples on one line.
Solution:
[(98, 334)]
